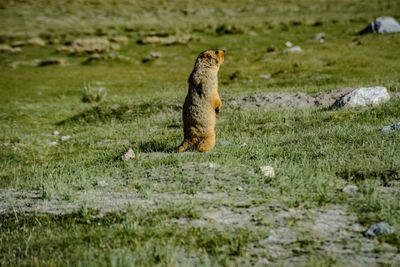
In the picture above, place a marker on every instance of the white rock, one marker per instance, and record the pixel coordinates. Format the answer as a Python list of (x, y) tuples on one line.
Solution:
[(212, 165), (56, 133), (364, 96), (128, 155), (265, 76), (65, 138), (288, 44), (239, 188), (101, 183), (54, 143), (294, 49), (268, 171), (350, 189), (382, 25)]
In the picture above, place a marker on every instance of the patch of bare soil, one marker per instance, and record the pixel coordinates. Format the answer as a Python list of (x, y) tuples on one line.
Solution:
[(31, 201), (289, 100)]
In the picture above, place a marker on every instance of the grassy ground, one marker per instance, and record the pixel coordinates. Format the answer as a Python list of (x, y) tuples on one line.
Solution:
[(77, 203)]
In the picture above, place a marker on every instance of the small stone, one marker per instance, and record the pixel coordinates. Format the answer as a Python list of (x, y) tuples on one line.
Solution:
[(350, 189), (65, 138), (54, 143), (294, 49), (376, 229), (212, 165), (265, 76), (319, 37), (56, 133), (268, 171), (128, 155), (244, 144), (151, 57), (239, 188), (391, 128), (288, 44), (101, 183), (225, 143)]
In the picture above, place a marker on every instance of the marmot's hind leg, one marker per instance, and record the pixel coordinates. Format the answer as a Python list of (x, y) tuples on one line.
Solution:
[(207, 143), (185, 145)]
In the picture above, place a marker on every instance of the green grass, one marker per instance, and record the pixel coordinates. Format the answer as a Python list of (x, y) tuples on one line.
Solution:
[(315, 152)]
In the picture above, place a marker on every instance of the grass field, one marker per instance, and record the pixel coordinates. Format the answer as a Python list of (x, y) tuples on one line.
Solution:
[(76, 203)]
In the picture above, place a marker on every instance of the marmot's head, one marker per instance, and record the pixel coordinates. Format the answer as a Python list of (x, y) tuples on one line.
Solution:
[(211, 58)]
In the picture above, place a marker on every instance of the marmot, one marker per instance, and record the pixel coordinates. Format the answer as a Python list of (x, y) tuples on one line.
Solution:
[(202, 102)]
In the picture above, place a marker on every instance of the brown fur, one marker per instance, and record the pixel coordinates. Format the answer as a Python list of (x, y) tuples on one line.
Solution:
[(202, 102)]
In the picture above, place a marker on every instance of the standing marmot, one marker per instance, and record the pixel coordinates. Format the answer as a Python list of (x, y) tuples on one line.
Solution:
[(202, 102)]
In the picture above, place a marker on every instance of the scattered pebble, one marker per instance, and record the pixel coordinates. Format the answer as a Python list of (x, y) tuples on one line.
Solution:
[(288, 44), (128, 155), (268, 171), (265, 76), (225, 143), (391, 128), (101, 183), (151, 57), (212, 165), (54, 143), (65, 138), (319, 37), (294, 49), (376, 229), (350, 189), (56, 133), (239, 188)]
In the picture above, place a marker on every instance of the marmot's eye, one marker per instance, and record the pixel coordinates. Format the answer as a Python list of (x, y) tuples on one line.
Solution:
[(216, 52)]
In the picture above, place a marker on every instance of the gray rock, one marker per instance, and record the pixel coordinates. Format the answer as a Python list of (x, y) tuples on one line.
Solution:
[(56, 133), (128, 155), (265, 76), (239, 188), (376, 229), (101, 183), (391, 128), (319, 37), (350, 189), (65, 138), (294, 49), (268, 171), (382, 25), (53, 143), (365, 96), (151, 57)]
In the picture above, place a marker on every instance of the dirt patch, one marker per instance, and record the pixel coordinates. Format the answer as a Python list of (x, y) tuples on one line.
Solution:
[(33, 201), (289, 99)]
